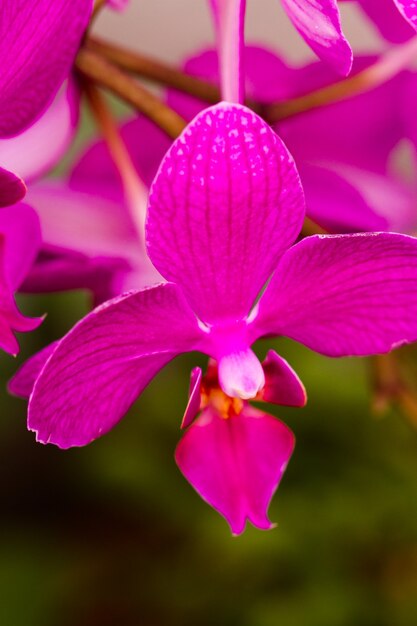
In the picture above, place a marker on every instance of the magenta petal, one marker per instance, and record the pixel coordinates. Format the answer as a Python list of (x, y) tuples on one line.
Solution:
[(236, 464), (12, 188), (282, 385), (318, 22), (344, 294), (387, 19), (226, 203), (229, 17), (408, 9), (102, 365), (336, 204), (21, 237), (21, 384), (36, 150), (38, 46), (146, 144), (194, 399)]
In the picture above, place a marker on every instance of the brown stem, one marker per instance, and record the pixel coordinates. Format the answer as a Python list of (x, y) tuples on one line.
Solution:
[(154, 70), (109, 76), (381, 71), (134, 190)]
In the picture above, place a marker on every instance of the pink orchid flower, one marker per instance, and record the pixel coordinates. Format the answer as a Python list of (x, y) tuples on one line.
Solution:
[(317, 21), (224, 209), (38, 47)]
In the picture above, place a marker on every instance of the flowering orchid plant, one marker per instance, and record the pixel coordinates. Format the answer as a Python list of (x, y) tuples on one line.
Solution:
[(268, 207)]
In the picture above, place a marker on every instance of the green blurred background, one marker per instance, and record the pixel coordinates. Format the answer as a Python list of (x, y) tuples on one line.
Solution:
[(113, 535)]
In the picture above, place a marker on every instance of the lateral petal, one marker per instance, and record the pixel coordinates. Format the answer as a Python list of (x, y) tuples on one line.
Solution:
[(102, 365), (344, 295)]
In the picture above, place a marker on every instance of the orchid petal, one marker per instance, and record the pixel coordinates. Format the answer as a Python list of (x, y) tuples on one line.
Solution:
[(336, 204), (236, 464), (318, 22), (19, 244), (36, 150), (408, 9), (83, 221), (38, 46), (194, 400), (229, 17), (12, 188), (386, 18), (226, 203), (146, 144), (105, 362), (344, 295), (282, 385), (22, 383), (21, 236)]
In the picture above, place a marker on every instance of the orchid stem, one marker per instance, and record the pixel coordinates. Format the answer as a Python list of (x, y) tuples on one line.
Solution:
[(387, 66), (134, 190), (154, 70), (105, 74)]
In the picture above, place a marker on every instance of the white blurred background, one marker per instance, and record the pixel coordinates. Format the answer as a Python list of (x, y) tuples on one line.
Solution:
[(174, 29)]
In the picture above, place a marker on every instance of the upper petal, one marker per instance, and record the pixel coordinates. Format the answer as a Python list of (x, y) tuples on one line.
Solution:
[(38, 44), (318, 21), (12, 188), (236, 464), (225, 204), (344, 294), (105, 361)]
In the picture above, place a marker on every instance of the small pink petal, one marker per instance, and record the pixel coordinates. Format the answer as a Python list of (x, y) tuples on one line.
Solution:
[(241, 374), (318, 22), (225, 204), (282, 385), (386, 18), (236, 464), (193, 406), (12, 188)]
